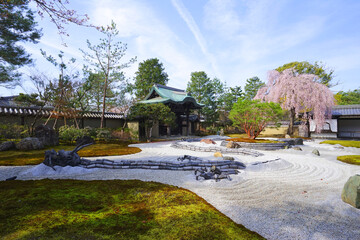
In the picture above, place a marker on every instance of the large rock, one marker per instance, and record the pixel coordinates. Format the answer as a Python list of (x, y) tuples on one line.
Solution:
[(207, 141), (297, 148), (289, 141), (46, 135), (316, 152), (221, 132), (29, 143), (351, 191), (7, 146), (64, 158), (298, 141), (232, 144), (292, 141), (223, 143)]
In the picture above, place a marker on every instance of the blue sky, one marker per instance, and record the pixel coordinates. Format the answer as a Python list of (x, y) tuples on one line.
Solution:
[(228, 39)]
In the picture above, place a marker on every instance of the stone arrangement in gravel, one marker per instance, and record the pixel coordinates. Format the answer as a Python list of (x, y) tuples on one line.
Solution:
[(282, 144), (213, 148), (262, 146), (226, 166)]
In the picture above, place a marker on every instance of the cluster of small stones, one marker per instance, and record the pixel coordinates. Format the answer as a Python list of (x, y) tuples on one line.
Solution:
[(216, 149), (226, 166)]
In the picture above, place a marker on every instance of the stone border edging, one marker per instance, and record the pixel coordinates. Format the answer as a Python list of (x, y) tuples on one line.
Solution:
[(264, 146), (217, 149), (226, 166)]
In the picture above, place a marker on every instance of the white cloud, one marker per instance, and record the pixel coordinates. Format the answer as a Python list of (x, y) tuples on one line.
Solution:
[(150, 37), (190, 22), (220, 16)]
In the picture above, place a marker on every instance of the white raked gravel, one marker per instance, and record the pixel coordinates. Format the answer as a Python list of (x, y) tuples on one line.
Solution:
[(296, 197)]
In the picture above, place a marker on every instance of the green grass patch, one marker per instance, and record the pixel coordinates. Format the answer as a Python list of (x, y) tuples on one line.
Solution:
[(237, 135), (344, 143), (351, 159), (72, 209), (19, 158)]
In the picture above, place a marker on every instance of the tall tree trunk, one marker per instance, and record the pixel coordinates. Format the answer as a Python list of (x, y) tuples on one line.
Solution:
[(54, 126), (103, 107), (150, 133), (292, 120), (76, 123), (199, 126), (32, 126)]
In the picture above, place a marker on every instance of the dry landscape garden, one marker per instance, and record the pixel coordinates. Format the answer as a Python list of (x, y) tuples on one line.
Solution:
[(93, 154)]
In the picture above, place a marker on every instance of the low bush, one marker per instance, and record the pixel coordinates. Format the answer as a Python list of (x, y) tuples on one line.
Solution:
[(121, 133), (212, 130), (69, 134), (103, 134), (13, 131)]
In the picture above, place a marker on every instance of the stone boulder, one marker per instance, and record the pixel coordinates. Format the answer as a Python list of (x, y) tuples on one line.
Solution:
[(223, 143), (29, 143), (316, 152), (5, 146), (351, 191), (207, 141), (289, 141), (218, 154), (221, 132), (297, 148), (46, 135), (292, 141), (298, 141), (228, 158), (232, 144)]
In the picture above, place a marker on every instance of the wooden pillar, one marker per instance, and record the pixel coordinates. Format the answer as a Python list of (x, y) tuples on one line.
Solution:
[(187, 120)]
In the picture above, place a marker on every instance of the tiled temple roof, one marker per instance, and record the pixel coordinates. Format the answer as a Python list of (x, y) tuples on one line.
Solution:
[(9, 107)]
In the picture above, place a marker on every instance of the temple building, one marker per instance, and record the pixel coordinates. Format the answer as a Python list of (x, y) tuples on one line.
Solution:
[(181, 103)]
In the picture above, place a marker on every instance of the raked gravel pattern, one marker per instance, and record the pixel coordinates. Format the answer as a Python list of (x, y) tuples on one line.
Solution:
[(297, 196)]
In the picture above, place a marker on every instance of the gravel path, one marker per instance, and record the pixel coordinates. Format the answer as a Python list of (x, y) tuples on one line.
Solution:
[(296, 197)]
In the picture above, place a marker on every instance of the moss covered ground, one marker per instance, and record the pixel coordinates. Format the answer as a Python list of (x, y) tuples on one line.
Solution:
[(73, 209), (351, 159), (19, 158), (345, 143)]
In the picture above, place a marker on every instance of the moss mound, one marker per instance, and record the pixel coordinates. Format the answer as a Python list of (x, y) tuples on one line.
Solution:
[(344, 143), (19, 158), (351, 159), (71, 209)]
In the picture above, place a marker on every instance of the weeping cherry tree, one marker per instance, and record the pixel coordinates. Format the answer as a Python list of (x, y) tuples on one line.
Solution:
[(299, 94)]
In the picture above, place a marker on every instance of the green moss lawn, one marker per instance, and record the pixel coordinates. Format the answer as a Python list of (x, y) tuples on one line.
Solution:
[(344, 143), (19, 158), (351, 159), (72, 209)]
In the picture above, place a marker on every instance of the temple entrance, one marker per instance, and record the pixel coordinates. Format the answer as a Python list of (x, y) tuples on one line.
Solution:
[(181, 103)]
